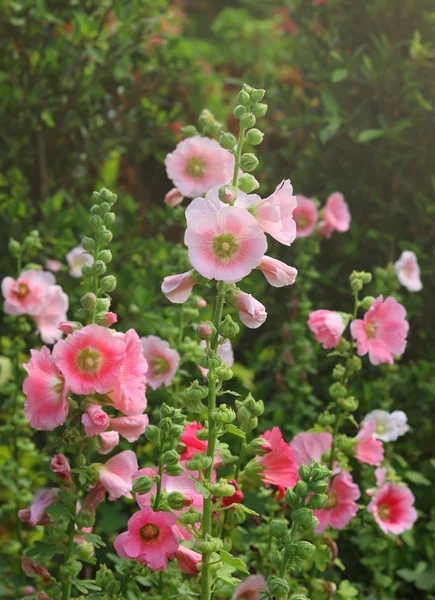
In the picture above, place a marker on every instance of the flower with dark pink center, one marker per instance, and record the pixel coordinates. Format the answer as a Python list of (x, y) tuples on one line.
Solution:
[(393, 508)]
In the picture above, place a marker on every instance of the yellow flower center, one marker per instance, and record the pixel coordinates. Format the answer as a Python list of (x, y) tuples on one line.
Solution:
[(149, 532), (89, 360), (159, 366), (22, 290), (384, 512), (196, 167), (370, 330), (225, 247), (332, 500), (301, 221)]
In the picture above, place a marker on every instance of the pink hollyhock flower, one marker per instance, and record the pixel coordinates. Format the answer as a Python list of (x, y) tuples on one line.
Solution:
[(79, 538), (33, 570), (341, 506), (173, 198), (76, 258), (68, 326), (327, 326), (277, 273), (251, 312), (28, 294), (95, 495), (309, 446), (108, 441), (29, 590), (380, 476), (368, 449), (60, 466), (46, 405), (116, 475), (177, 288), (278, 465), (131, 428), (382, 333), (336, 215), (90, 359), (128, 394), (95, 420), (187, 560), (198, 164), (36, 515), (408, 271), (192, 443), (305, 214), (53, 312), (251, 588), (162, 361), (53, 265), (393, 508), (150, 538)]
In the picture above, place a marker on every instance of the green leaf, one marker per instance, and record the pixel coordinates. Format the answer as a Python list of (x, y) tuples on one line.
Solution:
[(339, 75), (235, 431), (83, 585), (58, 511), (407, 574), (233, 561), (225, 574), (94, 539), (330, 103), (41, 552), (200, 488), (425, 104), (346, 590), (426, 580), (369, 134), (417, 478), (330, 130)]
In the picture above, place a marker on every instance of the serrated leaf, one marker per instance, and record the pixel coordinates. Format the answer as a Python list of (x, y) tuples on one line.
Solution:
[(369, 134), (225, 573), (233, 561), (41, 551), (94, 539), (200, 488), (58, 510), (83, 585), (235, 431)]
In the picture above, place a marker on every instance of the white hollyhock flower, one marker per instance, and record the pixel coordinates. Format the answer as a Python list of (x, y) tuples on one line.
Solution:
[(389, 426)]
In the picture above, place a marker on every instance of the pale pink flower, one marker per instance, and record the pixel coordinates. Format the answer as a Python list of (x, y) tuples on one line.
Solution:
[(128, 394), (108, 441), (46, 405), (305, 214), (278, 465), (277, 273), (250, 588), (173, 197), (327, 326), (53, 265), (68, 326), (95, 420), (95, 495), (27, 294), (53, 312), (393, 508), (380, 476), (192, 443), (36, 515), (251, 312), (368, 449), (198, 164), (408, 271), (90, 359), (33, 570), (382, 333), (335, 214), (341, 506), (150, 538), (187, 560), (177, 288), (308, 446), (162, 361), (29, 590), (116, 475), (60, 466), (131, 428), (76, 258)]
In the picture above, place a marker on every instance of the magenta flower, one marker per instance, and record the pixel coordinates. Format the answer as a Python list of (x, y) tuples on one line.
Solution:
[(150, 538), (95, 420), (251, 312), (327, 326), (188, 560), (192, 443), (27, 294), (382, 333), (173, 198), (131, 428), (277, 273), (198, 164), (108, 441), (341, 506), (408, 271), (76, 258), (46, 405), (278, 465), (251, 588), (393, 508), (116, 475), (36, 515), (336, 215), (305, 214), (52, 313), (368, 449), (177, 288), (162, 361), (309, 446)]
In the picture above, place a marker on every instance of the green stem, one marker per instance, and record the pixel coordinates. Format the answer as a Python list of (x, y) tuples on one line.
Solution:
[(181, 329), (238, 155), (334, 435), (239, 460), (286, 557), (95, 281), (160, 474), (66, 594)]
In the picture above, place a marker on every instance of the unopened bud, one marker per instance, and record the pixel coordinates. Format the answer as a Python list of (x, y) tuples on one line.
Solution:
[(108, 283), (152, 433), (277, 528), (277, 586), (247, 120), (177, 501), (189, 131), (227, 194), (254, 137), (221, 490), (244, 98), (227, 140), (89, 301), (257, 95), (300, 489), (174, 470), (249, 162), (304, 473), (199, 462), (239, 111), (105, 256), (143, 484), (247, 183), (171, 457), (228, 328), (206, 330), (318, 501), (259, 110), (304, 550)]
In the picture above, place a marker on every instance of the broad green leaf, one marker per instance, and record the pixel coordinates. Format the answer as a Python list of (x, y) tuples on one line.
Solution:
[(225, 573), (233, 561), (369, 134), (339, 75), (235, 431), (417, 478)]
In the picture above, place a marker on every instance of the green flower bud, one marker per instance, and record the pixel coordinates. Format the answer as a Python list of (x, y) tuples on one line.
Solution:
[(89, 301), (350, 404), (191, 517), (206, 330), (189, 131), (223, 373), (304, 473), (85, 552), (353, 365), (103, 304), (176, 431), (196, 391), (227, 140), (247, 88), (104, 208), (5, 370), (177, 501), (343, 345), (88, 244), (87, 270), (249, 162), (236, 516), (105, 236), (227, 194), (109, 219), (339, 372), (222, 490), (247, 120), (210, 361), (104, 576), (239, 111), (95, 222), (259, 110), (98, 268), (254, 137), (337, 390), (14, 247), (105, 256), (143, 484), (108, 283), (152, 433), (247, 183), (277, 586), (303, 517), (365, 277), (107, 196), (243, 98), (171, 457), (356, 285), (243, 414), (318, 487), (300, 489), (318, 501), (166, 411), (228, 328), (257, 95), (304, 550), (298, 597), (199, 462), (223, 414), (70, 570), (174, 470), (209, 545), (277, 528)]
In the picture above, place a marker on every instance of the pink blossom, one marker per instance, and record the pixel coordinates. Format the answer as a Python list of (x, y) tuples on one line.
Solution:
[(305, 214), (53, 265), (173, 198), (408, 271), (382, 333), (131, 428), (116, 475), (60, 466), (108, 441), (28, 294), (68, 326), (368, 449), (327, 326), (162, 361), (309, 446), (277, 273), (202, 303), (36, 515), (110, 318), (393, 508), (251, 312), (251, 588), (341, 506), (336, 215), (90, 359), (95, 420), (53, 312), (79, 538), (46, 405), (198, 164), (76, 258), (29, 590), (278, 465), (192, 443), (381, 476), (177, 288), (95, 495), (150, 538), (187, 560), (33, 570)]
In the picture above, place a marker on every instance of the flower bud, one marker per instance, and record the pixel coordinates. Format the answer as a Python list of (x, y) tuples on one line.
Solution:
[(303, 517), (143, 484), (199, 462), (299, 597), (304, 473), (210, 361), (326, 418), (247, 183), (277, 528), (249, 162), (223, 414), (221, 490), (224, 373), (209, 545), (353, 365), (85, 552), (227, 140), (189, 131), (254, 137), (191, 517), (247, 120), (257, 95), (105, 256), (239, 111), (318, 487), (152, 433), (318, 501), (304, 550), (95, 222), (70, 570), (277, 586), (177, 501), (206, 330), (350, 404), (109, 219), (171, 457), (89, 301), (228, 328), (174, 470), (202, 434), (196, 391), (236, 516), (243, 98), (356, 285), (300, 489), (259, 110), (247, 88), (14, 247), (339, 372), (337, 390), (227, 194), (108, 283), (98, 268), (106, 319), (105, 236)]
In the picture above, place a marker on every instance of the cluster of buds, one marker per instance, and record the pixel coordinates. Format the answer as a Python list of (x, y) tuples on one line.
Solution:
[(207, 123), (30, 243), (248, 411)]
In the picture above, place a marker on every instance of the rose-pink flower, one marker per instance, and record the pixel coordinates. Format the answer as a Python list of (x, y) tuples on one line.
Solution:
[(26, 295), (382, 333), (277, 273), (36, 515), (162, 361), (250, 588), (305, 214), (173, 197), (308, 446), (46, 405), (368, 449), (177, 288), (327, 326), (116, 475), (53, 312), (150, 538), (278, 465), (408, 271), (198, 164), (95, 420), (187, 560), (131, 428), (90, 359), (68, 326), (192, 443), (251, 312), (335, 214), (60, 466), (53, 265), (341, 506), (393, 508), (76, 258), (108, 441)]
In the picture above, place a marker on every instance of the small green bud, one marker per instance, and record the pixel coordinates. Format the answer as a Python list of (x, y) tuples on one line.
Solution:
[(14, 247), (177, 501), (174, 470), (247, 120), (350, 404), (196, 391), (171, 457), (247, 88), (249, 162), (254, 137), (87, 270), (89, 301), (190, 517), (337, 390), (206, 330), (199, 462), (236, 515), (228, 328), (304, 473), (95, 221), (103, 304), (259, 110), (202, 434), (108, 283), (223, 373), (70, 570), (152, 433), (239, 111), (326, 418), (318, 501), (300, 489), (304, 550), (292, 499), (189, 131), (98, 268), (109, 219), (243, 98), (223, 414), (353, 365), (222, 490), (210, 361), (176, 431), (85, 552), (247, 183), (105, 256), (318, 487), (143, 485), (104, 235), (277, 586), (227, 140), (227, 194), (88, 244), (339, 372), (303, 517), (356, 285), (257, 95), (104, 576), (209, 545), (277, 528), (365, 277)]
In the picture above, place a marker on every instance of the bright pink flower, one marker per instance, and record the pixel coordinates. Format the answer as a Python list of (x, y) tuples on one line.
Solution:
[(108, 439), (277, 273), (251, 312), (187, 560), (278, 465), (131, 428), (393, 508), (116, 475), (53, 312), (60, 466), (408, 271), (198, 164), (76, 258), (26, 295), (177, 288), (327, 326), (150, 538), (173, 197), (128, 394), (251, 588), (68, 326), (36, 515), (90, 359), (368, 449), (46, 405), (192, 443), (110, 318), (162, 361), (309, 446), (382, 333), (95, 420), (305, 214), (335, 214), (53, 265), (341, 506)]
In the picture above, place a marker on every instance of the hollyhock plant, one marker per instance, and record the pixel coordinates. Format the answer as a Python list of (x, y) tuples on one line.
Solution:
[(393, 508), (52, 313), (309, 446), (278, 465), (116, 475), (305, 215), (162, 361), (251, 588), (335, 215), (173, 197), (177, 288), (382, 333), (76, 258), (251, 312), (128, 395), (341, 507), (187, 560), (28, 294), (277, 273), (192, 443), (408, 271), (131, 428), (95, 420), (368, 449), (388, 426), (328, 327)]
